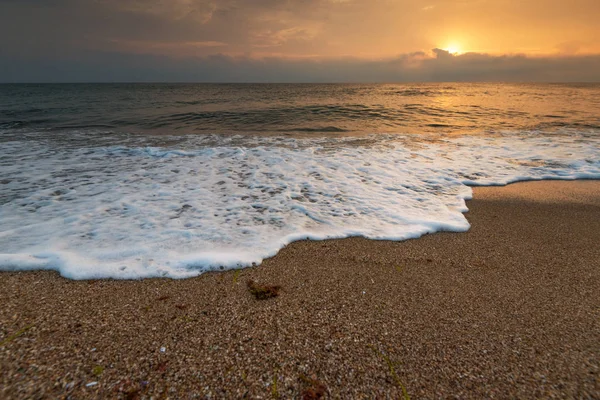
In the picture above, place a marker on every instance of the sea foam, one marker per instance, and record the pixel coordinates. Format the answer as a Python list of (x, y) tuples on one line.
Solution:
[(91, 209)]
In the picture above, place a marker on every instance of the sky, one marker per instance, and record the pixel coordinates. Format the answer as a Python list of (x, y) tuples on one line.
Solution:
[(299, 40)]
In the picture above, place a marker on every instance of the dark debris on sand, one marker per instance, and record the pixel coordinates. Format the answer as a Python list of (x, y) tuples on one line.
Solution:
[(263, 292)]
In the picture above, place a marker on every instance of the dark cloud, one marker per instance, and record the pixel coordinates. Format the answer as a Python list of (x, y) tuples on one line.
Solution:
[(442, 54), (414, 67)]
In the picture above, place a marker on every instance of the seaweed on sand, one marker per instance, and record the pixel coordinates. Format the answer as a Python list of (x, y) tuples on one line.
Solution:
[(263, 292)]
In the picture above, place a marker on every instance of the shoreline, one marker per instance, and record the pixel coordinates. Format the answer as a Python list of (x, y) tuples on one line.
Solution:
[(507, 309)]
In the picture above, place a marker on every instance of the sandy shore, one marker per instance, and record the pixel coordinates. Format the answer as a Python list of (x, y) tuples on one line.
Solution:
[(509, 309)]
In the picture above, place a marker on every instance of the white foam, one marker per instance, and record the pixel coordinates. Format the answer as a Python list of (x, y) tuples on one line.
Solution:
[(129, 211)]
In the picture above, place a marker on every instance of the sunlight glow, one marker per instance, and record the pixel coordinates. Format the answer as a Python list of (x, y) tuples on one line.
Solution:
[(453, 49)]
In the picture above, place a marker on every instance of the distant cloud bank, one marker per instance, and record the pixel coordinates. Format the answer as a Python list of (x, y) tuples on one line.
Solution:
[(437, 66)]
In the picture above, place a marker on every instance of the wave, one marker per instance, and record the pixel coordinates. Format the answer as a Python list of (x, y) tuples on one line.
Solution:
[(325, 129), (356, 118), (91, 210)]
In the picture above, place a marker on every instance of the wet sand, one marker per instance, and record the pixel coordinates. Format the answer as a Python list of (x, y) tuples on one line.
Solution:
[(509, 309)]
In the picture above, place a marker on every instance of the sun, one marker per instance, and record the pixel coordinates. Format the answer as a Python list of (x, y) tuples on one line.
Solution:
[(453, 48)]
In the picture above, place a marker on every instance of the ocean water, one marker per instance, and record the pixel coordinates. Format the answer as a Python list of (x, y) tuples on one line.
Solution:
[(142, 180)]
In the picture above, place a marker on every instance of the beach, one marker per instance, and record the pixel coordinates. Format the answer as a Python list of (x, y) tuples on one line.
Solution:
[(509, 309)]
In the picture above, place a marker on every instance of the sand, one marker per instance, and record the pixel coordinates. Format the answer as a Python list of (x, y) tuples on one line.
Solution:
[(509, 309)]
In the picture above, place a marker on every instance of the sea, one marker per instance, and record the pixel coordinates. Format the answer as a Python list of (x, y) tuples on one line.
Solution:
[(132, 181)]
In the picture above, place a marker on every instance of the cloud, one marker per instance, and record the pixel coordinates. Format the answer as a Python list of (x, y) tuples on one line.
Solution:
[(274, 38), (295, 40), (198, 10), (36, 26), (167, 48), (442, 54), (412, 67)]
